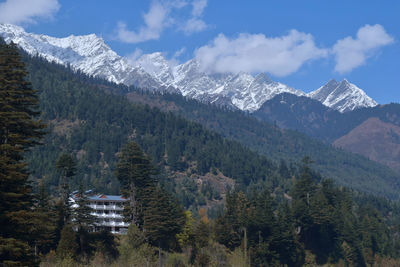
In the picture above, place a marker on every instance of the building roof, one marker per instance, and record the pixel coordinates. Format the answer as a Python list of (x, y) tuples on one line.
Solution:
[(107, 198)]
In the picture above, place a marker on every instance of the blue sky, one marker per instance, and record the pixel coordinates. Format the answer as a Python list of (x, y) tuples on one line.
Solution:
[(300, 43)]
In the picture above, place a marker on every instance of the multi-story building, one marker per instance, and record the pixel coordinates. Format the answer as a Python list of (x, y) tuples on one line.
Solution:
[(108, 211)]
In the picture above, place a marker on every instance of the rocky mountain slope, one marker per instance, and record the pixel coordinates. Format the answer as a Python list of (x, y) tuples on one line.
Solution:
[(371, 132), (244, 91), (342, 96)]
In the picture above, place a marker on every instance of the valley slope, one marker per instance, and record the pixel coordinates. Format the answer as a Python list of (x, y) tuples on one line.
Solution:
[(93, 124), (316, 120)]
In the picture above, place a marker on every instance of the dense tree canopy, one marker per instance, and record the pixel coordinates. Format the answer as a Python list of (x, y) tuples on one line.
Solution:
[(19, 131)]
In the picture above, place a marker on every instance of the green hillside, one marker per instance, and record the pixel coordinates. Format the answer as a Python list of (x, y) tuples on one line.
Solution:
[(93, 126), (345, 168), (86, 119), (276, 215)]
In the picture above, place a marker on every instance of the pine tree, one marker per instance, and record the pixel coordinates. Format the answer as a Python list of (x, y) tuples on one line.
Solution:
[(44, 226), (231, 226), (163, 219), (149, 207), (19, 131), (302, 192), (82, 219), (186, 237), (67, 166), (67, 246), (135, 174)]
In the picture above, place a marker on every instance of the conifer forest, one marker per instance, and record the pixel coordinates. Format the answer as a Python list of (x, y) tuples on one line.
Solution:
[(204, 185)]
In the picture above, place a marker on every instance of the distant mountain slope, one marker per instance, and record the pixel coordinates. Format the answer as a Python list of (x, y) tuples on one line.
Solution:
[(375, 139), (316, 120), (302, 114), (153, 72), (95, 124), (345, 168)]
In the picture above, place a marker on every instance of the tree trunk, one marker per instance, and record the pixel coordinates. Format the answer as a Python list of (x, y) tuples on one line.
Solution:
[(132, 203), (81, 241), (160, 263)]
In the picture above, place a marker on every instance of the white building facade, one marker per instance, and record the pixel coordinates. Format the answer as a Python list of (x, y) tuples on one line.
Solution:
[(108, 211)]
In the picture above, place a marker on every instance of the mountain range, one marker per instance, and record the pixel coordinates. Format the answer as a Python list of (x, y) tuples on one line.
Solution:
[(91, 120), (92, 56), (332, 113)]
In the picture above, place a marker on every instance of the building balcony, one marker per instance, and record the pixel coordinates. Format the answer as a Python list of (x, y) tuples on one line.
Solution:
[(118, 224), (110, 215), (106, 207)]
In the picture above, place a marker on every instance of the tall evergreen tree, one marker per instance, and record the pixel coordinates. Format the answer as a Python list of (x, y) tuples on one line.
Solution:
[(303, 190), (163, 219), (82, 218), (19, 131), (45, 224), (149, 207), (67, 166), (135, 174), (67, 246)]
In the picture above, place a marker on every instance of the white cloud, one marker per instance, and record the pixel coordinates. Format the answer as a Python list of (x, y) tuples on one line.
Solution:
[(179, 52), (351, 53), (279, 56), (174, 61), (22, 11), (195, 23), (198, 7), (155, 22), (134, 56), (161, 16)]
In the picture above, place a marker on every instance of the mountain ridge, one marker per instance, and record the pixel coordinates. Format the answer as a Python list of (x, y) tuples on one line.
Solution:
[(91, 55), (342, 96)]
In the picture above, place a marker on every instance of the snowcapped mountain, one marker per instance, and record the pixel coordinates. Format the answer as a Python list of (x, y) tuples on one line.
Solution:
[(87, 53), (91, 55), (241, 90), (157, 66), (342, 96)]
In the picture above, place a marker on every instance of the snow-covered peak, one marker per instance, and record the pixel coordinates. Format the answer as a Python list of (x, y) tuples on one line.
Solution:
[(91, 55), (10, 29), (343, 96), (156, 65), (87, 53), (263, 78)]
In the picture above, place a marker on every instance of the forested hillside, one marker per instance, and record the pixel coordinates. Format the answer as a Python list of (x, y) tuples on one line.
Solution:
[(93, 126), (376, 142), (315, 119), (274, 214), (269, 140), (84, 119)]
